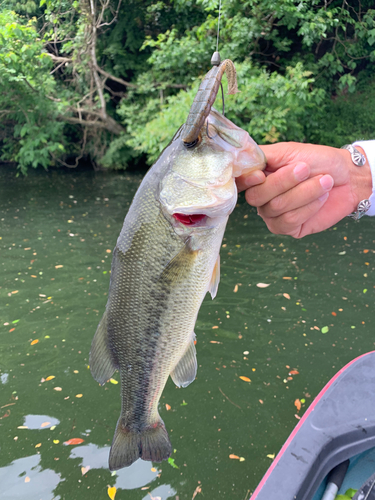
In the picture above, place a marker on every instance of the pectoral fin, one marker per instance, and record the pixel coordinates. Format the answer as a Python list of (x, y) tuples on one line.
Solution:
[(215, 278), (102, 362), (186, 369)]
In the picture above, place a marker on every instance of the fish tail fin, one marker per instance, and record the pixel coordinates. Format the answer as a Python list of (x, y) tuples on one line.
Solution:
[(151, 444)]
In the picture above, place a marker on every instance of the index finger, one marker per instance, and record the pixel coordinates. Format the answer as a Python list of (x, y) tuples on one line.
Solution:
[(277, 183)]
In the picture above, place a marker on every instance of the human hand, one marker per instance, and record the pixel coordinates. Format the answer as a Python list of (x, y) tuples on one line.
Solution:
[(306, 188)]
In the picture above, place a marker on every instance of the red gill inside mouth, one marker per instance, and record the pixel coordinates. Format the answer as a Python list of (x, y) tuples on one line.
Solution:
[(189, 219)]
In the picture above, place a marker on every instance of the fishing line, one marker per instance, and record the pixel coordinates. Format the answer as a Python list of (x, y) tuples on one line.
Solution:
[(215, 61), (218, 29)]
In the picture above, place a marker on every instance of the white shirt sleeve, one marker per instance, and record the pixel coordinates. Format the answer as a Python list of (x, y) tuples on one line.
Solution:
[(369, 148)]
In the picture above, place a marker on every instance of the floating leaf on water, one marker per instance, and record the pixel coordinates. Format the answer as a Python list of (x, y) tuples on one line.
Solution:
[(245, 379), (50, 377), (34, 342), (168, 407), (171, 463), (215, 342), (56, 441), (365, 290), (52, 428), (271, 455), (287, 278), (215, 327), (44, 424), (59, 266), (234, 457), (113, 381), (57, 389), (38, 445), (84, 470), (73, 441), (27, 479), (15, 321), (342, 253), (242, 459), (263, 285), (333, 313), (22, 427), (286, 295), (153, 469), (79, 395), (294, 372), (184, 403), (297, 404), (325, 329), (235, 289), (112, 492)]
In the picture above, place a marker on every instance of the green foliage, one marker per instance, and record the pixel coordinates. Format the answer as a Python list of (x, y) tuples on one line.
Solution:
[(270, 106), (29, 131), (113, 85)]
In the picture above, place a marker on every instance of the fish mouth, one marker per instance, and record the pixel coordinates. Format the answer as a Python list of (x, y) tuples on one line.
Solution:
[(189, 220)]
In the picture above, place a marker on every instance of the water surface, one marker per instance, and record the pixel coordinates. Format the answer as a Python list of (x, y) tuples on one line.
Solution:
[(57, 233)]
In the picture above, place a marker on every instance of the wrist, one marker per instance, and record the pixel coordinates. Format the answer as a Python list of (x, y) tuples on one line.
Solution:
[(368, 149), (361, 179)]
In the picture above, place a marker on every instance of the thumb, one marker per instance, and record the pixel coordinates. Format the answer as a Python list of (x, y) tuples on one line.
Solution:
[(249, 180)]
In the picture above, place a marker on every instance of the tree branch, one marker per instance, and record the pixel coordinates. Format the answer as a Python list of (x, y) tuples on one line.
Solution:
[(116, 79)]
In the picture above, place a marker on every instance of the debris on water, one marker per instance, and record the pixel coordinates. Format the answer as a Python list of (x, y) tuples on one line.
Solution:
[(111, 492), (172, 464), (73, 441)]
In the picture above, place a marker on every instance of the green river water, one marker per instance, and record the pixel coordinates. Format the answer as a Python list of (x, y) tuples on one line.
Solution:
[(57, 233)]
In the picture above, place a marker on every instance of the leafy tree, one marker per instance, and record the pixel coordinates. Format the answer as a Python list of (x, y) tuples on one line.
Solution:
[(112, 80)]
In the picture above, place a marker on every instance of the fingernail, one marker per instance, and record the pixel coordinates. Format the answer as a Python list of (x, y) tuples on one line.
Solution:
[(301, 171), (323, 197), (326, 182)]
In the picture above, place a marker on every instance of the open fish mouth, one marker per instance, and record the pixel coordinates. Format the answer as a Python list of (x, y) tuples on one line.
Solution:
[(189, 220)]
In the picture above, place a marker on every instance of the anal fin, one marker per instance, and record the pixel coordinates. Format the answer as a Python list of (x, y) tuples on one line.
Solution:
[(185, 371), (102, 363), (215, 278)]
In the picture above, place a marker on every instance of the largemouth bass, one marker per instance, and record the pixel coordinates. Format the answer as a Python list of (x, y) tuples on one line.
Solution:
[(165, 261)]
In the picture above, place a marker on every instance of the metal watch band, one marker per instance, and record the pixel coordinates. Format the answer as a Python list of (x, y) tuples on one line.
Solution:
[(357, 158)]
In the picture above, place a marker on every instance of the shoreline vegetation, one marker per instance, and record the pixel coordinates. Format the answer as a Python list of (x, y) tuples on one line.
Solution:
[(108, 82)]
